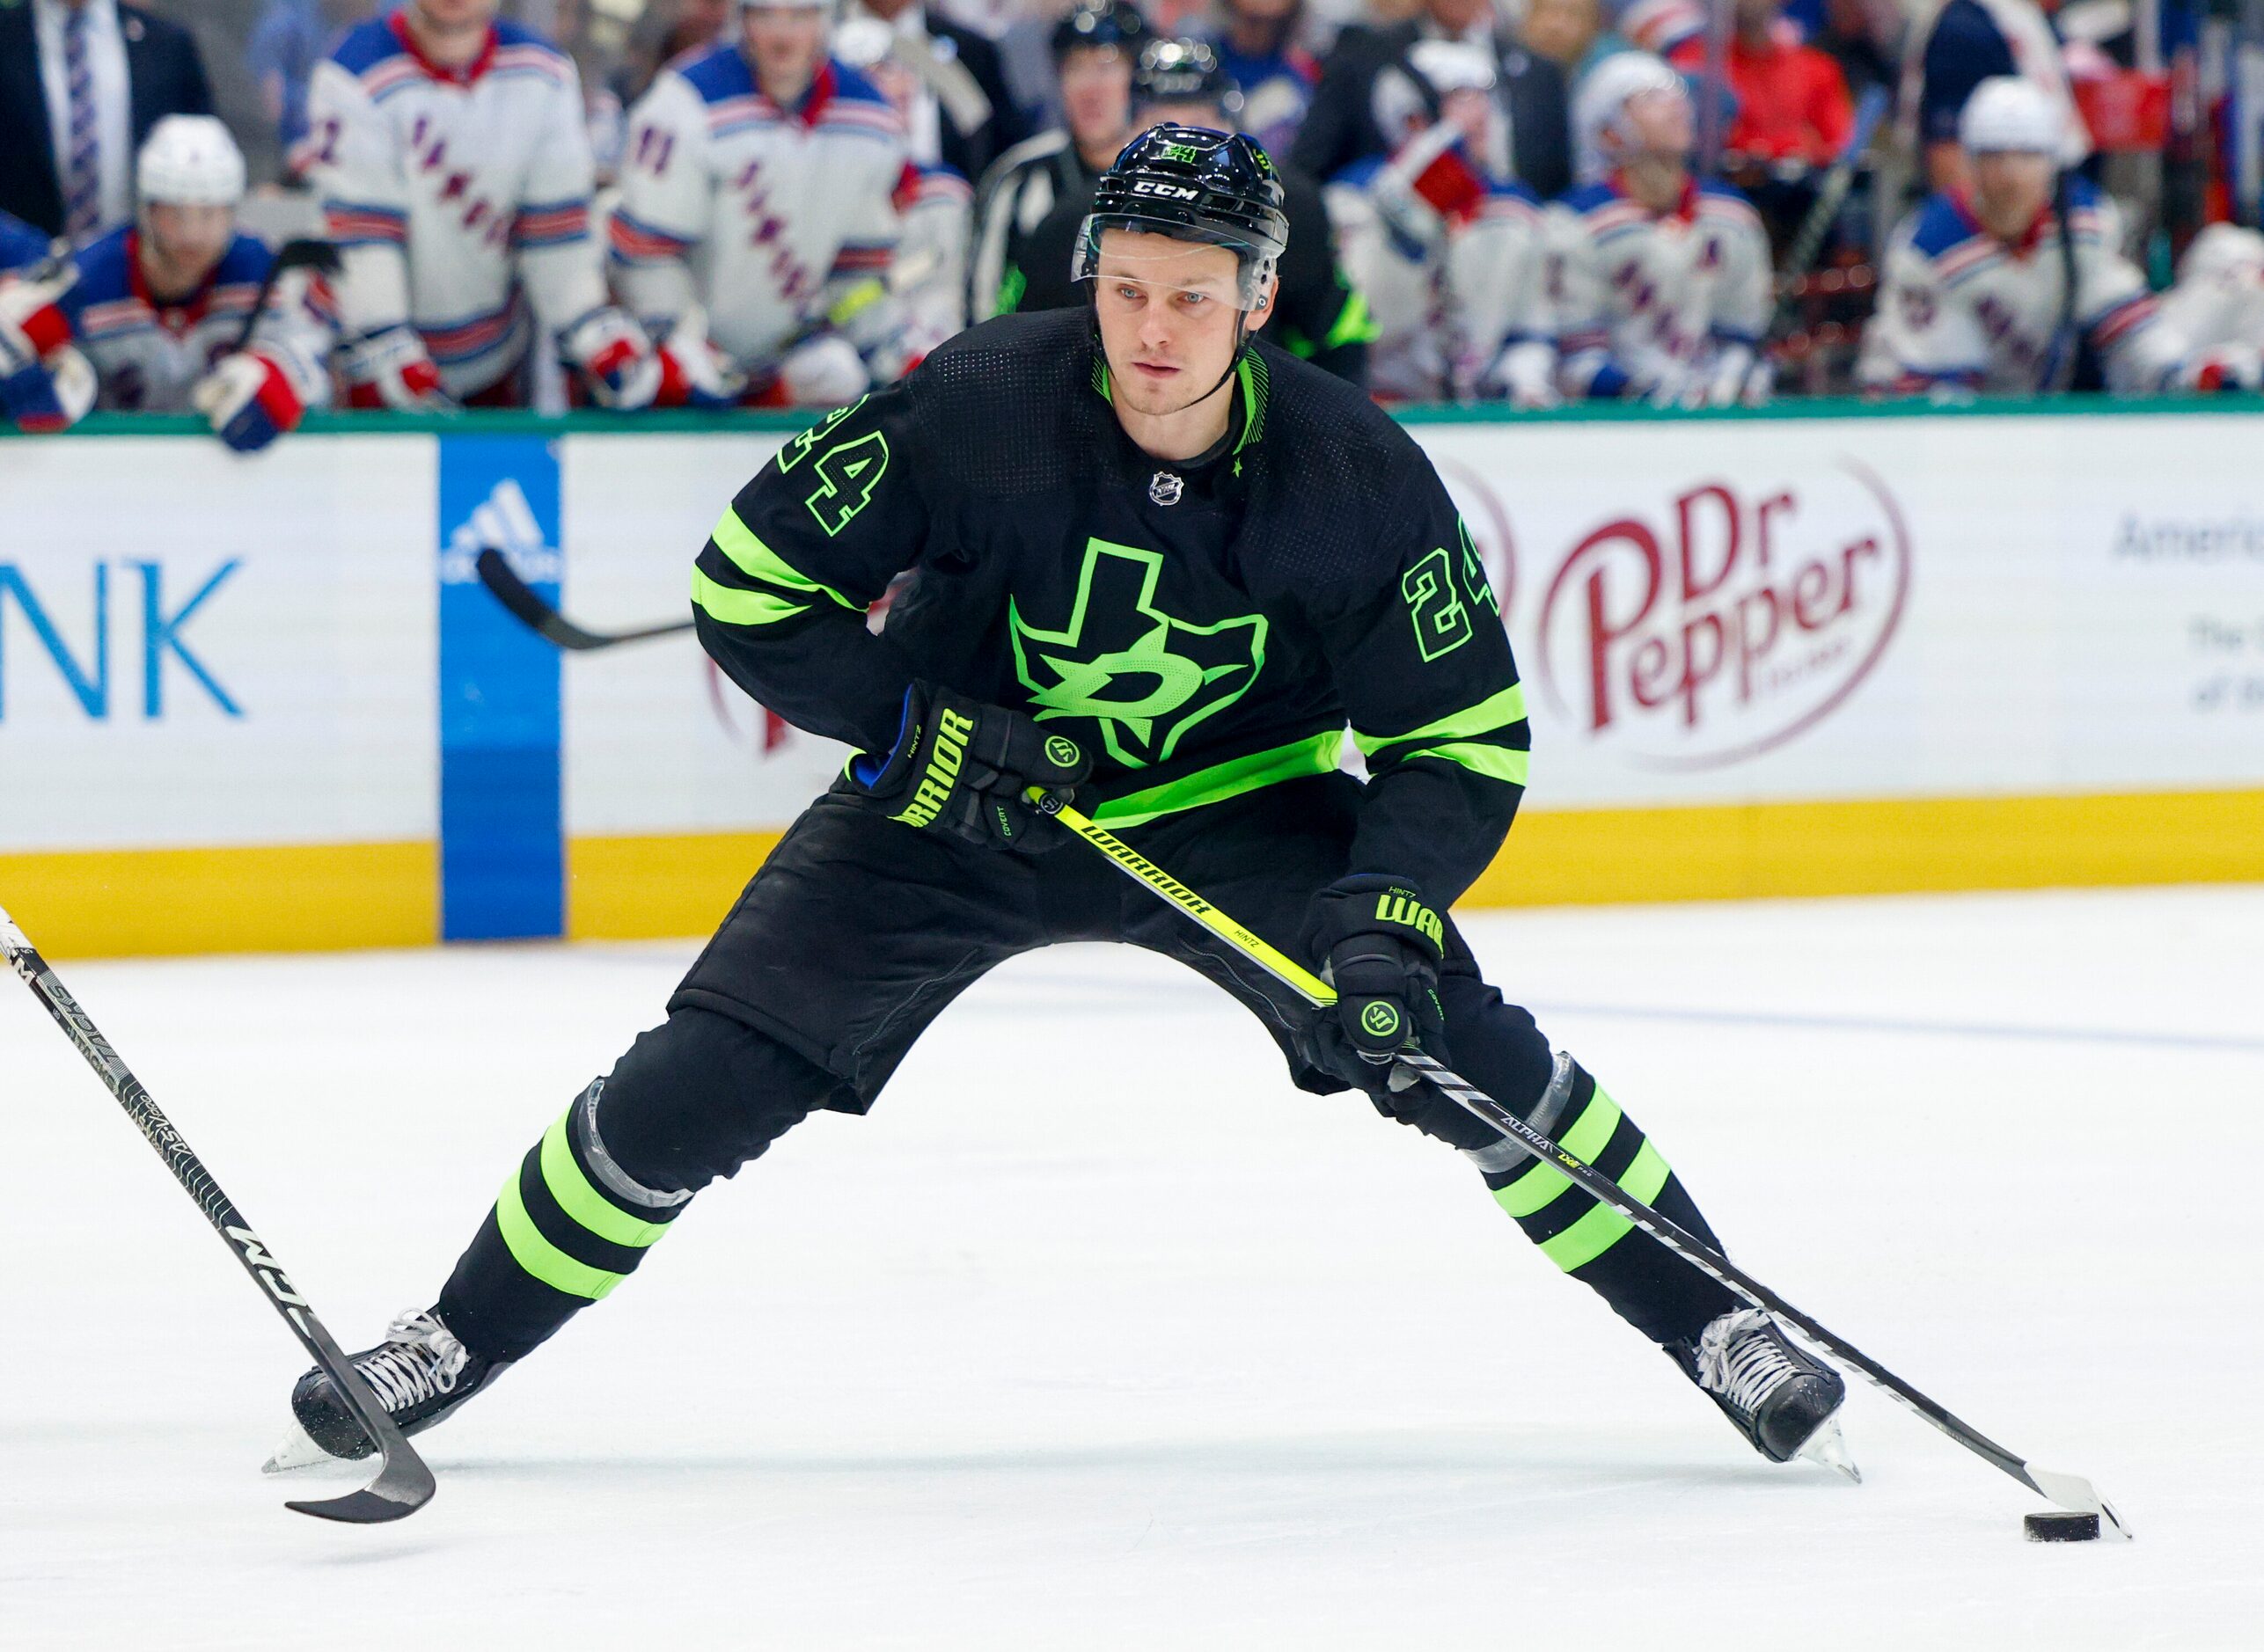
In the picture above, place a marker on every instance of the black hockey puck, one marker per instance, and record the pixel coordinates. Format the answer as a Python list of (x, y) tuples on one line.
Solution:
[(2061, 1527)]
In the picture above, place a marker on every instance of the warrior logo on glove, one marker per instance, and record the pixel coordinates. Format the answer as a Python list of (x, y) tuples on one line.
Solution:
[(968, 768)]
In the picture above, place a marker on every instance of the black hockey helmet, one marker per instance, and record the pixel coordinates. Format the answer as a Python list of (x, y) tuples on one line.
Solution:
[(1192, 185), (1096, 23), (1184, 71)]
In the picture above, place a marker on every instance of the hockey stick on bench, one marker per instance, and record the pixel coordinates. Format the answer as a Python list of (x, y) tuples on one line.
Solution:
[(527, 607), (2067, 1490), (404, 1484)]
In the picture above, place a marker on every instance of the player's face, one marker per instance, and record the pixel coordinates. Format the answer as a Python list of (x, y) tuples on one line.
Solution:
[(1208, 116), (1455, 16), (1562, 31), (451, 15), (785, 43), (1660, 125), (2010, 188), (1097, 94), (1169, 313), (187, 241)]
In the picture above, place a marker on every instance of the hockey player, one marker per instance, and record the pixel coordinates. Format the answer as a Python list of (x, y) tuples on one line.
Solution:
[(1449, 250), (1162, 565), (1095, 49), (454, 167), (769, 189), (1659, 282), (1996, 292), (1319, 314), (147, 317), (2218, 302)]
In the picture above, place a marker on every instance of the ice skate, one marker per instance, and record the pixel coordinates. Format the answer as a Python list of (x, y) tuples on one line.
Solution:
[(1783, 1401), (420, 1372)]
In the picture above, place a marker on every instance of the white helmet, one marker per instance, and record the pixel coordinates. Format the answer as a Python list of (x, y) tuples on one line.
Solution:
[(1600, 113), (2009, 115), (190, 160), (1453, 65)]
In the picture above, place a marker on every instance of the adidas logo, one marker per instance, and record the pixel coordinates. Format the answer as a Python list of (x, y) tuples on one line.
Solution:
[(506, 521)]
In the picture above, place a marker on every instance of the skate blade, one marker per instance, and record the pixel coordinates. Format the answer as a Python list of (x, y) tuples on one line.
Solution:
[(1828, 1446), (298, 1451)]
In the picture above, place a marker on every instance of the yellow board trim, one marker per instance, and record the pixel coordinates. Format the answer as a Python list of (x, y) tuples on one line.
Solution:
[(644, 888), (301, 898)]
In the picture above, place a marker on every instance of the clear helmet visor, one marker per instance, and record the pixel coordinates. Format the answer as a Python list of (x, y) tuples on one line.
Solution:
[(1131, 264)]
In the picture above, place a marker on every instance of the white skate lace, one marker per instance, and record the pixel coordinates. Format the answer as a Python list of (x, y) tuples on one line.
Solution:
[(418, 1361), (1740, 1359)]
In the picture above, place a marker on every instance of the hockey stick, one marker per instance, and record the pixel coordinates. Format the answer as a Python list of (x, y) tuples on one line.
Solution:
[(403, 1485), (305, 253), (2066, 1490), (529, 608)]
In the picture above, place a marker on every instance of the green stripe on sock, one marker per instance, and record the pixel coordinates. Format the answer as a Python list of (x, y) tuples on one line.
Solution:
[(583, 1202), (1588, 1137), (541, 1257), (1604, 1227)]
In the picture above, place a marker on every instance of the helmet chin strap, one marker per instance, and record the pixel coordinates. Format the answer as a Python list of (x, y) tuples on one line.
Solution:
[(1234, 359)]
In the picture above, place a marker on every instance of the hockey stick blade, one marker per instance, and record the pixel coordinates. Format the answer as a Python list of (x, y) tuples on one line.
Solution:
[(2068, 1492), (527, 607), (404, 1484)]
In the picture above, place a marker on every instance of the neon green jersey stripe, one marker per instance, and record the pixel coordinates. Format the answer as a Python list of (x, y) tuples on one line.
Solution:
[(1604, 1227), (1316, 755), (1496, 763), (583, 1202), (740, 608), (541, 1257), (1589, 1136), (1496, 711), (751, 557)]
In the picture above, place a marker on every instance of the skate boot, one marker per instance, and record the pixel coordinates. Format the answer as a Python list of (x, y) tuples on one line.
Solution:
[(420, 1372), (1784, 1402)]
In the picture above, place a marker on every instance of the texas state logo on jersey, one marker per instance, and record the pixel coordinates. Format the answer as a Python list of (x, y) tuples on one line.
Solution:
[(766, 204), (475, 175)]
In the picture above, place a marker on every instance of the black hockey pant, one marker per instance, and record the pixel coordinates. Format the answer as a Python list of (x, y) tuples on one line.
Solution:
[(858, 932)]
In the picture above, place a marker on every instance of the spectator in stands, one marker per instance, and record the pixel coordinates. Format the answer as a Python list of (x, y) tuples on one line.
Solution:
[(960, 113), (1345, 123), (1259, 46), (1317, 313), (1447, 252), (1994, 290), (1964, 43), (1659, 283), (770, 203), (149, 316), (1573, 35), (454, 166), (1791, 100), (82, 82), (1094, 50)]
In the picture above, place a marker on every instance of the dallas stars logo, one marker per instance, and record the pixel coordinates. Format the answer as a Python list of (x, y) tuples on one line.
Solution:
[(1143, 676)]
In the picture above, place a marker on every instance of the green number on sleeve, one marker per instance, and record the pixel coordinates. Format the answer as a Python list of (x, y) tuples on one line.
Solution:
[(1473, 574), (1442, 624), (846, 476), (798, 449)]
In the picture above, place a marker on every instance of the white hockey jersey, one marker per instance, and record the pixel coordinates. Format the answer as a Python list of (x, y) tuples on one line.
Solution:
[(781, 222), (455, 196), (1960, 311), (1450, 263), (1655, 305), (148, 355)]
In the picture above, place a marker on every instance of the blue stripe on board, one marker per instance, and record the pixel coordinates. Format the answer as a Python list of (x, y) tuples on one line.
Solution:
[(501, 849)]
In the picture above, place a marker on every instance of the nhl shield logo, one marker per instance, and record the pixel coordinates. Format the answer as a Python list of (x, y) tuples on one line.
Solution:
[(1165, 487)]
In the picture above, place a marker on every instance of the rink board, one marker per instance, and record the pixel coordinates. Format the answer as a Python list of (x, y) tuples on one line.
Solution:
[(263, 704)]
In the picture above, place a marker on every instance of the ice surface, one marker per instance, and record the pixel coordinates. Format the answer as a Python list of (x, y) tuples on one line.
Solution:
[(1096, 1334)]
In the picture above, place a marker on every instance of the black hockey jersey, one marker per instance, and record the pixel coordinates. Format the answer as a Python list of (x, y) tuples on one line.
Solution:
[(1202, 629)]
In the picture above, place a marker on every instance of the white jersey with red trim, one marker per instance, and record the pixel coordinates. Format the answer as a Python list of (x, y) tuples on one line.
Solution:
[(149, 354), (781, 222), (1655, 304), (1961, 313), (457, 196)]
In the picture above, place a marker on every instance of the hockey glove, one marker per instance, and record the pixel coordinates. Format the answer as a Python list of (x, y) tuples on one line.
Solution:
[(390, 368), (248, 399), (962, 767), (44, 384), (616, 359), (1381, 944), (2227, 367), (693, 373)]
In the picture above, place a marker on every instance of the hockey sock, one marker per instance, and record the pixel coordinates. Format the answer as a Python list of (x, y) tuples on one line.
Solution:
[(1646, 1284), (569, 1225)]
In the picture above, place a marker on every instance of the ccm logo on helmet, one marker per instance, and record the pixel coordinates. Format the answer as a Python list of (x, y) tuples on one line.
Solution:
[(1171, 192)]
